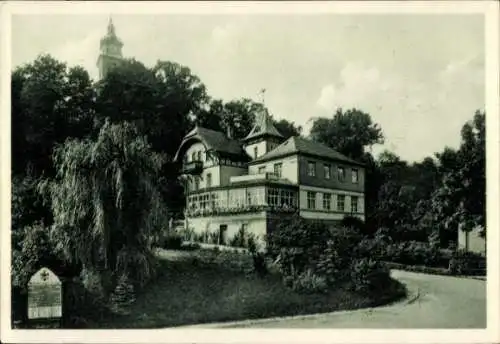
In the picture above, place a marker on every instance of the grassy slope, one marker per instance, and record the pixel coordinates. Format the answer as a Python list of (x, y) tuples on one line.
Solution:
[(190, 292)]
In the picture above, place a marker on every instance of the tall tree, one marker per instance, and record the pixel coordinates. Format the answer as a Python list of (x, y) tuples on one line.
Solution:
[(49, 104), (287, 128), (105, 201), (161, 102), (239, 116), (349, 132), (461, 199)]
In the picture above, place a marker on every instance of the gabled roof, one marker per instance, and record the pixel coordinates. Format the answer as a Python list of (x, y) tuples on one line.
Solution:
[(263, 127), (300, 145), (215, 141)]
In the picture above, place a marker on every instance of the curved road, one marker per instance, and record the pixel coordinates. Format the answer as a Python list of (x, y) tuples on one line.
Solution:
[(444, 302)]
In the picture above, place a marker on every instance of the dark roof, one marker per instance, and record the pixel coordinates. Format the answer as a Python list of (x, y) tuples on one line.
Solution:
[(263, 127), (216, 141), (300, 145)]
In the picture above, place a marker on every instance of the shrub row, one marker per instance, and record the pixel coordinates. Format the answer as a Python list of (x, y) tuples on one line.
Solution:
[(418, 268), (241, 239), (461, 263), (313, 257)]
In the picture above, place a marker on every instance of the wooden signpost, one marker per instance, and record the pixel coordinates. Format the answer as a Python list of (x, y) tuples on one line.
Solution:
[(44, 297)]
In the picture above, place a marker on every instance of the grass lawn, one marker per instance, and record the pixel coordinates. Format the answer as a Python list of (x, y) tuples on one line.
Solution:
[(195, 288)]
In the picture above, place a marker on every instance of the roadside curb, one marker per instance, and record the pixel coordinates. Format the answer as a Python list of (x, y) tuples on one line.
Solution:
[(412, 296)]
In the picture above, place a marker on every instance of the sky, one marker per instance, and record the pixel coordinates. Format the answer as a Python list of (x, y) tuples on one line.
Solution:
[(419, 76)]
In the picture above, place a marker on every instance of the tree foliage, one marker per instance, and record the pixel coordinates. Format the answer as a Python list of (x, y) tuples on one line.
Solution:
[(105, 201), (350, 132), (237, 117)]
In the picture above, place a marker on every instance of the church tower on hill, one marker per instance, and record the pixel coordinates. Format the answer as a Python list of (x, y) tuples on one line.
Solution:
[(110, 51)]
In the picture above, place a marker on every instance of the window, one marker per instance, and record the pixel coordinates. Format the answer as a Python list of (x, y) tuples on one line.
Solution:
[(237, 197), (341, 173), (255, 196), (273, 197), (326, 168), (354, 204), (196, 183), (204, 201), (249, 197), (355, 176), (277, 169), (288, 198), (327, 201), (311, 169), (209, 180), (311, 200), (340, 202), (215, 202), (199, 155), (255, 152), (262, 169), (194, 202)]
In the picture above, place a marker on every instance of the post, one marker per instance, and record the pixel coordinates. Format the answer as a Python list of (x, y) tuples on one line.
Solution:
[(44, 299)]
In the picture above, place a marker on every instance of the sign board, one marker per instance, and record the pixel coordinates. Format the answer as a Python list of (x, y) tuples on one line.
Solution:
[(44, 295)]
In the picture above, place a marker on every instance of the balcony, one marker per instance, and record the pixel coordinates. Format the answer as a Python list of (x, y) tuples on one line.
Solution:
[(253, 177), (240, 209), (193, 167)]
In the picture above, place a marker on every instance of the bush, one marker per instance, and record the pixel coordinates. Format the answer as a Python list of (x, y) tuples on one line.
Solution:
[(123, 296), (32, 249), (191, 246), (330, 264), (187, 234), (239, 239), (297, 244), (353, 222), (412, 253), (213, 238), (369, 276), (465, 262), (309, 283), (417, 268), (173, 241)]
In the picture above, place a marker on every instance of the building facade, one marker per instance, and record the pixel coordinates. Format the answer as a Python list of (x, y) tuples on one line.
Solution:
[(232, 185)]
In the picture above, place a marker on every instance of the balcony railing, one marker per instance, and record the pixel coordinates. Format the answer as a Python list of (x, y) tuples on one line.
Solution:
[(193, 167), (253, 177), (240, 210)]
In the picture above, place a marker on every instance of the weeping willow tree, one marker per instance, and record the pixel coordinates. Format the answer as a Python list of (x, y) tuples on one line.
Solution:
[(106, 203)]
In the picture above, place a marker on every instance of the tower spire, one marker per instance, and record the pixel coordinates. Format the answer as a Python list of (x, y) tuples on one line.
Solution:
[(264, 126), (262, 95), (110, 50), (111, 27)]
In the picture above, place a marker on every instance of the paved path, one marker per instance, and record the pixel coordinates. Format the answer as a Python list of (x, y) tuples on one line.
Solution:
[(444, 302)]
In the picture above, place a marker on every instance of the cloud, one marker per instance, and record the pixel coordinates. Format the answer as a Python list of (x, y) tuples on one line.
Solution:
[(356, 85)]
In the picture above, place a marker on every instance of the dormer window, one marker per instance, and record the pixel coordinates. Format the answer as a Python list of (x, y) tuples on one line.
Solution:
[(311, 169), (355, 176), (341, 174)]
